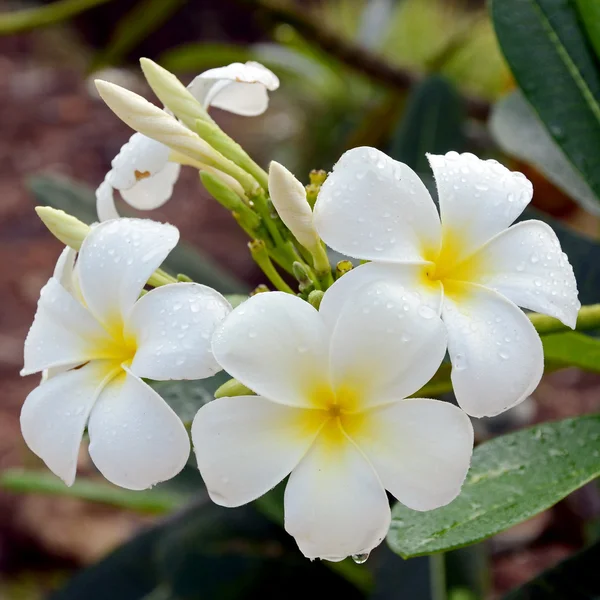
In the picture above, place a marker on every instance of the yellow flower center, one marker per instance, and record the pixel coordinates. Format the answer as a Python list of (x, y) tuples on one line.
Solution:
[(335, 412), (451, 266), (120, 349)]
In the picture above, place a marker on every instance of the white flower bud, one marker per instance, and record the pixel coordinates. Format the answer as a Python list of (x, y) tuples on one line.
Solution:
[(145, 117), (289, 198)]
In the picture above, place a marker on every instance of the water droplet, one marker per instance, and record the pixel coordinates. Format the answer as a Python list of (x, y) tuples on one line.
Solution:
[(360, 559)]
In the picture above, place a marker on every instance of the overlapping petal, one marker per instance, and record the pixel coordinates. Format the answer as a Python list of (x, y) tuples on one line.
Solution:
[(421, 449), (173, 326), (116, 260), (136, 440), (246, 445), (404, 276), (276, 344), (526, 264), (238, 88), (54, 415), (478, 198), (335, 505), (386, 343), (375, 208), (152, 192), (63, 332), (497, 356)]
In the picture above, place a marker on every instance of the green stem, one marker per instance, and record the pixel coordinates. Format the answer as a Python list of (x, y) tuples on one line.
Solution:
[(220, 141), (33, 18), (261, 257), (589, 318)]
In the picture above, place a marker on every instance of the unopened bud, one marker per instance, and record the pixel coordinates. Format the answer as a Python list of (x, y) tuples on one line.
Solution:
[(233, 388), (289, 198), (315, 298), (64, 227), (343, 267), (259, 289), (317, 176), (173, 94)]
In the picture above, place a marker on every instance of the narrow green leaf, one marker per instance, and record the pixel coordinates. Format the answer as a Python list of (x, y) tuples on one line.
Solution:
[(576, 578), (136, 25), (155, 501), (512, 478), (26, 19), (80, 201), (589, 11), (432, 122), (548, 53), (572, 349)]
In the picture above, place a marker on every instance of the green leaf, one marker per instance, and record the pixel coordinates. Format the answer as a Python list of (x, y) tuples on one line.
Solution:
[(576, 578), (519, 132), (16, 21), (136, 25), (432, 122), (572, 349), (551, 60), (80, 201), (155, 501), (589, 11), (512, 478)]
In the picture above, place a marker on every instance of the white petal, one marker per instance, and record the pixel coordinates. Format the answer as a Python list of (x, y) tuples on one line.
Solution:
[(136, 440), (375, 208), (151, 192), (386, 344), (116, 260), (478, 198), (63, 270), (407, 276), (173, 326), (525, 263), (335, 505), (246, 445), (238, 88), (140, 157), (63, 332), (276, 344), (497, 357), (105, 202), (54, 415), (421, 450)]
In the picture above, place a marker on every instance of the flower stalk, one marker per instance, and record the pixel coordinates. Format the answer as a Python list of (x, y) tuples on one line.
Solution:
[(258, 250)]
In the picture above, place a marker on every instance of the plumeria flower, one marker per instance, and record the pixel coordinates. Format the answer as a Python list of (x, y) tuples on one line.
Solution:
[(96, 339), (468, 263), (331, 411), (143, 171)]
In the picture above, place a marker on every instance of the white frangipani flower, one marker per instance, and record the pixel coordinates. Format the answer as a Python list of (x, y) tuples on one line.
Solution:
[(470, 265), (331, 410), (98, 338), (143, 172)]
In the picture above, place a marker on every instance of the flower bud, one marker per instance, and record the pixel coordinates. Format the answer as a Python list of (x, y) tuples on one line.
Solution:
[(173, 94), (289, 198), (64, 227)]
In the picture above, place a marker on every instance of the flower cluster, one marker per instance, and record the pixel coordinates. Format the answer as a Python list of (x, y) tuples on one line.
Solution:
[(329, 383)]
